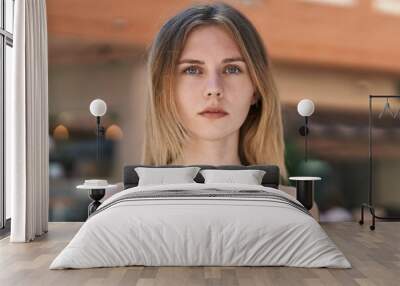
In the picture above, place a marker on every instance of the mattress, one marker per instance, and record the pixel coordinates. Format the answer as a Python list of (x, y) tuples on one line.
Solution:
[(198, 224)]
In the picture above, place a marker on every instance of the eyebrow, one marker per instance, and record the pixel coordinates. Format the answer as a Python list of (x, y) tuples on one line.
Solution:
[(227, 60)]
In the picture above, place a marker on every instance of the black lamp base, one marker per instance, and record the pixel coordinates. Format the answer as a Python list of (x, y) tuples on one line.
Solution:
[(305, 193), (96, 195)]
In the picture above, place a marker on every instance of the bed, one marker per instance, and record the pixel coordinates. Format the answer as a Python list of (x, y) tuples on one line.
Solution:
[(201, 224)]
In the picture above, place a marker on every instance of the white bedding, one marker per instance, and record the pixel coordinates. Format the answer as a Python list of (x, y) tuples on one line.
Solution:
[(181, 231)]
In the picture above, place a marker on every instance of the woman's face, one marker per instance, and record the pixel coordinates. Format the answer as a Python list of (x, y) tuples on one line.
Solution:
[(212, 74)]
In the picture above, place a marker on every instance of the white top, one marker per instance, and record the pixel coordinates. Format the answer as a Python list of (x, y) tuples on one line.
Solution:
[(305, 178), (88, 187), (95, 184)]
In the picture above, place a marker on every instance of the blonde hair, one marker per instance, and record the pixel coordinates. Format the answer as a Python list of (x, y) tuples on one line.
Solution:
[(261, 135)]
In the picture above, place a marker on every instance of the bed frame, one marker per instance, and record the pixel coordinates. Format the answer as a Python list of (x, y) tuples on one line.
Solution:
[(270, 179)]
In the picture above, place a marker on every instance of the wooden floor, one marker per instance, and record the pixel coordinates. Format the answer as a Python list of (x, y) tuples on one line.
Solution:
[(374, 255)]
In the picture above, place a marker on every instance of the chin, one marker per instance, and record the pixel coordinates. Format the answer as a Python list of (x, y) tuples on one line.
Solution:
[(213, 136)]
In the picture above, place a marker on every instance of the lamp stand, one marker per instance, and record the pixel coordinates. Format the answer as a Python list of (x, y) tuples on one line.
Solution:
[(100, 131), (304, 131)]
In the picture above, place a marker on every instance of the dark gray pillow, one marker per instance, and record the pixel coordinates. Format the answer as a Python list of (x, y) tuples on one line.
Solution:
[(270, 179)]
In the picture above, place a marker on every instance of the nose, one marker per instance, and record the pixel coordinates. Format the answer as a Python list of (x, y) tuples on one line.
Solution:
[(216, 93), (214, 86)]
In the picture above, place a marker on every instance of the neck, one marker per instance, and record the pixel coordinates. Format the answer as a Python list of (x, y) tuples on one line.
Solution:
[(223, 151)]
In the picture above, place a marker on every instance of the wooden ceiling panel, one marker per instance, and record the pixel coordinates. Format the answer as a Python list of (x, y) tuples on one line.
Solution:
[(294, 31)]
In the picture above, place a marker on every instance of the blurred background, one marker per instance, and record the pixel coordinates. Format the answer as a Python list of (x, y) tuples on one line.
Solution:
[(334, 52)]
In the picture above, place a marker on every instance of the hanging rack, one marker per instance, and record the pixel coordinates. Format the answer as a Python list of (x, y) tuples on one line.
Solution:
[(370, 204)]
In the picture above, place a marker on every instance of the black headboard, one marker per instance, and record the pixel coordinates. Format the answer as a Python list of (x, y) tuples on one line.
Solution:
[(270, 179)]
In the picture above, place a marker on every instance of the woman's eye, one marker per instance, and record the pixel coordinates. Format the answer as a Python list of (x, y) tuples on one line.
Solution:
[(191, 70), (232, 69)]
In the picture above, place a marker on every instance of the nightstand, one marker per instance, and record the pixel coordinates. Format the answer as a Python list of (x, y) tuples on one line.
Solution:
[(305, 190), (97, 190)]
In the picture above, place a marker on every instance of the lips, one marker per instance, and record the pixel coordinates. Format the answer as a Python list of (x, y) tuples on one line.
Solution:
[(213, 113)]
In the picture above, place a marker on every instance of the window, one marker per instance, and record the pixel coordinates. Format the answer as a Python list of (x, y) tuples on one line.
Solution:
[(6, 44)]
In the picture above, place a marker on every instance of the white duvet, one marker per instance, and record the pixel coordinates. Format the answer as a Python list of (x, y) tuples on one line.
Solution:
[(200, 231)]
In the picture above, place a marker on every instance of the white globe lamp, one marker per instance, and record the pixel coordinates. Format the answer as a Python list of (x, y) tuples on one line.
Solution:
[(98, 107), (305, 108)]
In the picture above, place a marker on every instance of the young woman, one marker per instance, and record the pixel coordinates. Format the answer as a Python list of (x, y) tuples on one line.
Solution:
[(212, 96)]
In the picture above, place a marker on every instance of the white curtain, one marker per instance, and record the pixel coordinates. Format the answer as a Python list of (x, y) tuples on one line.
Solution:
[(27, 156)]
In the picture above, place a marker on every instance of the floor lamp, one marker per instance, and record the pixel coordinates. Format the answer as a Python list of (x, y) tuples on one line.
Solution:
[(98, 108)]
